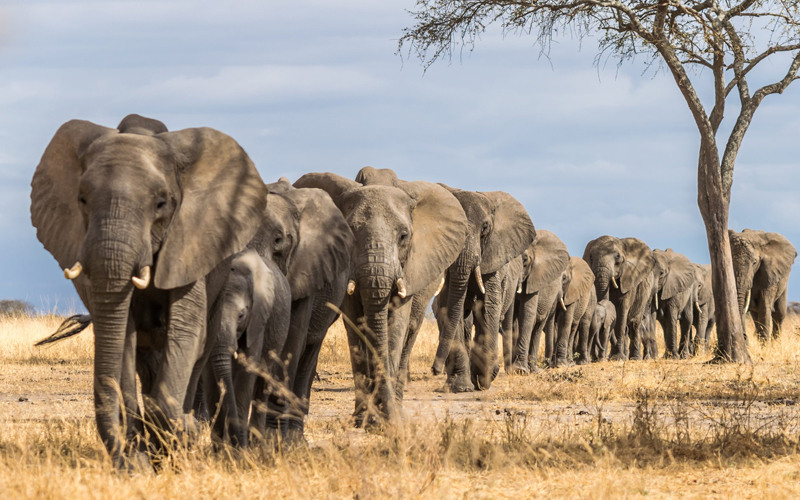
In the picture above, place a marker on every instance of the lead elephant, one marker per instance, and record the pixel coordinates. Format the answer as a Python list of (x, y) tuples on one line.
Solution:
[(762, 263), (541, 290), (116, 207), (251, 319), (499, 231), (623, 270), (305, 234), (673, 303), (406, 235)]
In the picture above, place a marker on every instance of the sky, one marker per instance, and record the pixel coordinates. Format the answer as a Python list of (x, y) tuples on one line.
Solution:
[(316, 85)]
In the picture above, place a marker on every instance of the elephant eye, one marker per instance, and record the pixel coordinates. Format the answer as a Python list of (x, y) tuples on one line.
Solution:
[(403, 236), (485, 229), (82, 200), (618, 257), (161, 204)]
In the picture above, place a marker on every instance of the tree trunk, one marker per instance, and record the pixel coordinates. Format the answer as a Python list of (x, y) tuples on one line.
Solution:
[(714, 204)]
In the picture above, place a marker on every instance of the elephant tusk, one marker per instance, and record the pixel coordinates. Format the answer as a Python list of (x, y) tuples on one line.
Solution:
[(74, 271), (401, 288), (519, 287), (479, 279), (614, 282), (697, 306), (351, 287), (439, 290), (656, 299), (747, 302), (561, 300), (144, 281)]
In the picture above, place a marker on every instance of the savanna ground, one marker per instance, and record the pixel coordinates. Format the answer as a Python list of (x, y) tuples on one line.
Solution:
[(660, 429)]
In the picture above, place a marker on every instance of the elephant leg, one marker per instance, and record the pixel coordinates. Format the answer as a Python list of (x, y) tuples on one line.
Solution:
[(458, 369), (306, 369), (701, 322), (670, 326), (602, 345), (619, 350), (358, 360), (399, 320), (507, 330), (764, 326), (133, 423), (186, 334), (687, 347), (635, 352), (550, 330), (289, 406), (561, 354), (584, 328), (526, 314), (779, 312), (415, 320)]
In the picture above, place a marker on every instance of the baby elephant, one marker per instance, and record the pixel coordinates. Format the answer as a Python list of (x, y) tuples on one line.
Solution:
[(605, 315), (251, 318)]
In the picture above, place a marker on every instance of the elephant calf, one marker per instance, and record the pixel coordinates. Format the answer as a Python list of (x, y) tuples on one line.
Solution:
[(605, 316), (251, 318)]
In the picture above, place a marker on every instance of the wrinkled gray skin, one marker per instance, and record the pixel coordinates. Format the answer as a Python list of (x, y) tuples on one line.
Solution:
[(602, 329), (704, 318), (629, 263), (406, 235), (118, 201), (762, 263), (573, 323), (674, 294), (251, 318), (541, 289), (499, 231), (305, 235)]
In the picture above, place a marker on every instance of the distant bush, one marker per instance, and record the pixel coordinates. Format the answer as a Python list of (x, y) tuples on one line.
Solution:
[(15, 308), (794, 308)]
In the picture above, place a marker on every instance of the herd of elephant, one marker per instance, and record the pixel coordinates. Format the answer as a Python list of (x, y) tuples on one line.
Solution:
[(189, 264)]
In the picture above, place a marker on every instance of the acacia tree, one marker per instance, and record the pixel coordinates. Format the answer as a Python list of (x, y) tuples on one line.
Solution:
[(719, 36)]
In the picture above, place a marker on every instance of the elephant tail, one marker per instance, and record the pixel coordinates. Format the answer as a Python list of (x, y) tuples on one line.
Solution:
[(68, 328)]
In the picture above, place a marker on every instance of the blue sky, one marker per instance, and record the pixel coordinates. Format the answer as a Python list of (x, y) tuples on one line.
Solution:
[(317, 86)]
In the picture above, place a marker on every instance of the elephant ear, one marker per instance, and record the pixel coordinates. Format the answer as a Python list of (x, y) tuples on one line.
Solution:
[(639, 261), (512, 232), (550, 258), (439, 230), (369, 176), (223, 200), (55, 212), (582, 280), (778, 257), (324, 242), (681, 275), (335, 185)]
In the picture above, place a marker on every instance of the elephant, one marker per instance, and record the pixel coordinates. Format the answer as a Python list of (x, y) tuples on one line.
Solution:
[(540, 291), (602, 329), (673, 304), (704, 319), (631, 262), (129, 215), (307, 237), (500, 230), (406, 235), (762, 263), (252, 319), (573, 318)]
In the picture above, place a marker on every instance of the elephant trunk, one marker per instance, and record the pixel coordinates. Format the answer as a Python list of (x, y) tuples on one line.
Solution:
[(375, 278), (110, 307), (603, 277), (458, 281), (221, 362)]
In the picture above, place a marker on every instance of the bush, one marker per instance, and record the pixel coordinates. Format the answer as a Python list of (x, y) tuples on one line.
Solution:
[(15, 308)]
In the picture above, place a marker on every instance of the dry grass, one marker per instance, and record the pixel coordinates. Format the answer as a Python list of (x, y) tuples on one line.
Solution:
[(660, 429)]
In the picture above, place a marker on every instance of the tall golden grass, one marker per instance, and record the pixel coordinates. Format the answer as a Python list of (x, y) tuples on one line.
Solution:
[(663, 429)]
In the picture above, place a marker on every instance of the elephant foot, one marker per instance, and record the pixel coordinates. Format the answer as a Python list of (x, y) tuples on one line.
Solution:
[(582, 361), (618, 357), (459, 383), (518, 369), (671, 355)]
